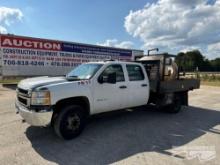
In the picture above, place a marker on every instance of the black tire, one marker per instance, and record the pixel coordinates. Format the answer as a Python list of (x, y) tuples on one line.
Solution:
[(185, 98), (176, 106), (70, 122)]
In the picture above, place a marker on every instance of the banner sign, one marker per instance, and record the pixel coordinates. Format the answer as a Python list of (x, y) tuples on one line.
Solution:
[(33, 56)]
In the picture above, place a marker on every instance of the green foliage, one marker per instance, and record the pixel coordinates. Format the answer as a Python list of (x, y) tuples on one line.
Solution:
[(205, 77), (215, 64), (194, 60)]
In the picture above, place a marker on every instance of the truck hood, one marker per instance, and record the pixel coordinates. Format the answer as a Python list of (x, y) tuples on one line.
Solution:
[(31, 83)]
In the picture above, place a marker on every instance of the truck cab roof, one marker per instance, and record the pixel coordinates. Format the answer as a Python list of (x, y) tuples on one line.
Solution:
[(112, 62)]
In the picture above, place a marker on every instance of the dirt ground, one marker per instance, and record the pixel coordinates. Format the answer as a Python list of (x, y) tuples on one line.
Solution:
[(141, 136)]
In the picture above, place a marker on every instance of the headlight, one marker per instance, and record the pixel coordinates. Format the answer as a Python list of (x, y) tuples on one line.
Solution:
[(40, 98)]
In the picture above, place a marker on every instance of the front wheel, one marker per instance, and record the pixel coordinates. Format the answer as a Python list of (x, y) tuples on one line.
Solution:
[(70, 122)]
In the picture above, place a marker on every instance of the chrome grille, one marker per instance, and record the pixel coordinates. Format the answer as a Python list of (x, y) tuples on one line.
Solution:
[(22, 100), (22, 97), (22, 91)]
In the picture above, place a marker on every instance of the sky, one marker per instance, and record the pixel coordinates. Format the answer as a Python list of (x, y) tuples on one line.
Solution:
[(170, 25)]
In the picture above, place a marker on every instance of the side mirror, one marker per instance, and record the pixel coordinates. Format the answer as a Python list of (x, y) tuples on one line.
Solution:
[(110, 78)]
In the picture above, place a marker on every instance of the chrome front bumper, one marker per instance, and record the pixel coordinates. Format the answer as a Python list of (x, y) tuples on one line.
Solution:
[(42, 118)]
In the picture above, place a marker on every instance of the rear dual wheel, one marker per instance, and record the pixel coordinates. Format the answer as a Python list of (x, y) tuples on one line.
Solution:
[(175, 107), (179, 99)]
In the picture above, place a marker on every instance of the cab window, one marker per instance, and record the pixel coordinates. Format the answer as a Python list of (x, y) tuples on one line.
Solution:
[(117, 69), (135, 72)]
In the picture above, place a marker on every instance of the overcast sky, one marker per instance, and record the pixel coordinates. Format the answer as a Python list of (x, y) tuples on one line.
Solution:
[(171, 25)]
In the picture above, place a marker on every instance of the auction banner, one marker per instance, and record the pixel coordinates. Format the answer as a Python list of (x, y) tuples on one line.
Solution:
[(24, 56)]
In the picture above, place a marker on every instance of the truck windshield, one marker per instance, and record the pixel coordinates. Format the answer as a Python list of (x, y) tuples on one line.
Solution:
[(84, 71)]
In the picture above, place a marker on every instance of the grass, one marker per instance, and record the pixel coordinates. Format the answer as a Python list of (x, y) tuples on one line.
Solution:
[(211, 83), (209, 79), (9, 81)]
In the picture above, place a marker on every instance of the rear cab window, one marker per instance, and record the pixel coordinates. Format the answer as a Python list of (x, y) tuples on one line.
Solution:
[(135, 72)]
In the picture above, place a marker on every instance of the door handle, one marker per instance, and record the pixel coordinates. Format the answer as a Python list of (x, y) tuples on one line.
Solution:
[(123, 87), (143, 85)]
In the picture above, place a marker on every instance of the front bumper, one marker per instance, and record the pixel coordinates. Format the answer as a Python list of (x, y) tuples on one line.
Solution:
[(42, 118)]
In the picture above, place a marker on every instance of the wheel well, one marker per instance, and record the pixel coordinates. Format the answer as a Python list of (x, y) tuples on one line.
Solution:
[(82, 101)]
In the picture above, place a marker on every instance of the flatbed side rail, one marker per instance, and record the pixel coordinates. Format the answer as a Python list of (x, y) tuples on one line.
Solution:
[(180, 85)]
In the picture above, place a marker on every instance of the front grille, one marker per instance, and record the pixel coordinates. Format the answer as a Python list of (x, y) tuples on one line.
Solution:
[(22, 100), (22, 97), (23, 91)]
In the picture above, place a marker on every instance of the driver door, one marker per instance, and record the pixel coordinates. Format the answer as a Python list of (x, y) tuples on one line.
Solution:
[(108, 97)]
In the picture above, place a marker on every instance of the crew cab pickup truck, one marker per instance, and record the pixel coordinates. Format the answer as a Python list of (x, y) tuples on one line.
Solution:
[(92, 88)]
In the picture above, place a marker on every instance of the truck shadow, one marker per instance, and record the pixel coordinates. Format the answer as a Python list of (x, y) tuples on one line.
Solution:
[(111, 137)]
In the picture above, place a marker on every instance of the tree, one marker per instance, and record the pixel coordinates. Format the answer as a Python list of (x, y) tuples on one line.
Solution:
[(192, 60), (215, 64)]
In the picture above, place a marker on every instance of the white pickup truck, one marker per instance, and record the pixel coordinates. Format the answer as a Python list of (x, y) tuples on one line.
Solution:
[(91, 88)]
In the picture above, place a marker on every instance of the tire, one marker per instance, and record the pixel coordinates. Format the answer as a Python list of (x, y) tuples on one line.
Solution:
[(176, 106), (185, 98), (70, 122)]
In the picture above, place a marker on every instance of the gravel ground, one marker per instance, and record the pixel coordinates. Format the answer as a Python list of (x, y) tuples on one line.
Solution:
[(143, 136)]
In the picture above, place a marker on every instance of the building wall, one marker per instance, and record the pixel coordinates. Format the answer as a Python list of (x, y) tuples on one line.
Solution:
[(25, 56)]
